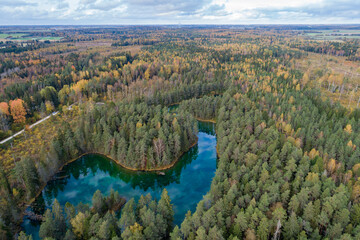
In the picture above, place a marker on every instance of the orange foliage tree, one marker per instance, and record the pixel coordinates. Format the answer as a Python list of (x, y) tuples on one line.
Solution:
[(18, 111), (4, 108)]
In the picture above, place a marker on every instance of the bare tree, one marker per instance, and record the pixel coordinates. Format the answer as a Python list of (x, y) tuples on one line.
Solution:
[(351, 97), (277, 231), (159, 148)]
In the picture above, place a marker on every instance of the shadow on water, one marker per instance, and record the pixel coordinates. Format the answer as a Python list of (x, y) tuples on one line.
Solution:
[(186, 182)]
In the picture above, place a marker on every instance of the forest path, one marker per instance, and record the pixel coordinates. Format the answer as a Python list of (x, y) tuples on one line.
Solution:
[(31, 126)]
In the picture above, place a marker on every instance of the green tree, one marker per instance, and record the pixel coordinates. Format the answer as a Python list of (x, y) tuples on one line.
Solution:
[(292, 227), (263, 229), (98, 202), (104, 230), (23, 236), (54, 224), (165, 208)]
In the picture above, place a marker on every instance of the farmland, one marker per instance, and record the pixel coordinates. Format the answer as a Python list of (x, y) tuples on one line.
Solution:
[(333, 35)]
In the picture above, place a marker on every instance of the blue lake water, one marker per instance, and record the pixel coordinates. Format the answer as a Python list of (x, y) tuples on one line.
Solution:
[(186, 182)]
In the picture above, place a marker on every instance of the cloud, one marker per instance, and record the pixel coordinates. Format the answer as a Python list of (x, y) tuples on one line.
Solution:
[(63, 5), (102, 5), (287, 12), (175, 11), (167, 5), (215, 10), (12, 3)]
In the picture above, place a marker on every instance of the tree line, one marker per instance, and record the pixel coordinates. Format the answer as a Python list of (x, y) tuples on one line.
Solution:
[(145, 219)]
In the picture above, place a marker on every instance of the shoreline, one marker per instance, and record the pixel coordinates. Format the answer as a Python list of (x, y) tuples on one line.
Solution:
[(166, 167), (205, 120), (28, 203), (131, 168)]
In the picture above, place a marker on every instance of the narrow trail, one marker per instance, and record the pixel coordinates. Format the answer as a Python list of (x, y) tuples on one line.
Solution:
[(32, 125)]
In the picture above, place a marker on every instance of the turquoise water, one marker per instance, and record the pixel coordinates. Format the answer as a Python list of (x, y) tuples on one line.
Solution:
[(186, 182)]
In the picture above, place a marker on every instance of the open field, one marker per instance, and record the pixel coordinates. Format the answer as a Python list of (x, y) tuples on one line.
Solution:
[(25, 37), (337, 77), (333, 34), (14, 35), (39, 38)]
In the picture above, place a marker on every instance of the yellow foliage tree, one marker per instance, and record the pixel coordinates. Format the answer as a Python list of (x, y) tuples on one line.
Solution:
[(312, 177), (49, 107), (136, 228), (331, 165), (298, 142), (348, 129), (291, 100), (237, 96), (356, 167), (306, 78), (313, 153), (356, 192), (79, 86), (78, 224), (350, 144), (147, 74), (288, 129)]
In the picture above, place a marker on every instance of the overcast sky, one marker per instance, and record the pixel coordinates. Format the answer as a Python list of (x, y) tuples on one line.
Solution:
[(62, 12)]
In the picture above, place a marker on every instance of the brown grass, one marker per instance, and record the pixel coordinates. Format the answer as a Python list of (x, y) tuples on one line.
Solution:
[(337, 71)]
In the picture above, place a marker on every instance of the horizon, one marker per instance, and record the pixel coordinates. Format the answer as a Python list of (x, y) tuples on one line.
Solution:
[(193, 24)]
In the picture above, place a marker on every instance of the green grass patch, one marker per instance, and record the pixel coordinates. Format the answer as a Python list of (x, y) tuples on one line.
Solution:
[(12, 36), (25, 37), (333, 34)]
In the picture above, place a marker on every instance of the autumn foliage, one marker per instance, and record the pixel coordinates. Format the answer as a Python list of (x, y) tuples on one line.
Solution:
[(4, 108), (18, 111)]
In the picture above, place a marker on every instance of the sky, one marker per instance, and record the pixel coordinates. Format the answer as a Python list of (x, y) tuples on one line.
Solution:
[(140, 12)]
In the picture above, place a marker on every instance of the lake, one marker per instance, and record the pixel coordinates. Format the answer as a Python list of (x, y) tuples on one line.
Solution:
[(186, 182)]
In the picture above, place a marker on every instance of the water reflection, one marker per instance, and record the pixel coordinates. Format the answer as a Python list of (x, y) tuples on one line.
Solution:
[(91, 164), (186, 182)]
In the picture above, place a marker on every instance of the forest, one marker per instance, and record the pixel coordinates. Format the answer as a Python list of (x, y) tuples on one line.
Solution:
[(288, 148)]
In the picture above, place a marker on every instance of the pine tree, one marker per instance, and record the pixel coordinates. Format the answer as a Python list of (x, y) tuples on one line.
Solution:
[(292, 227), (165, 208), (79, 225), (127, 215), (47, 227), (104, 230), (59, 220), (98, 202), (175, 234), (27, 171), (54, 224), (23, 236), (263, 229)]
